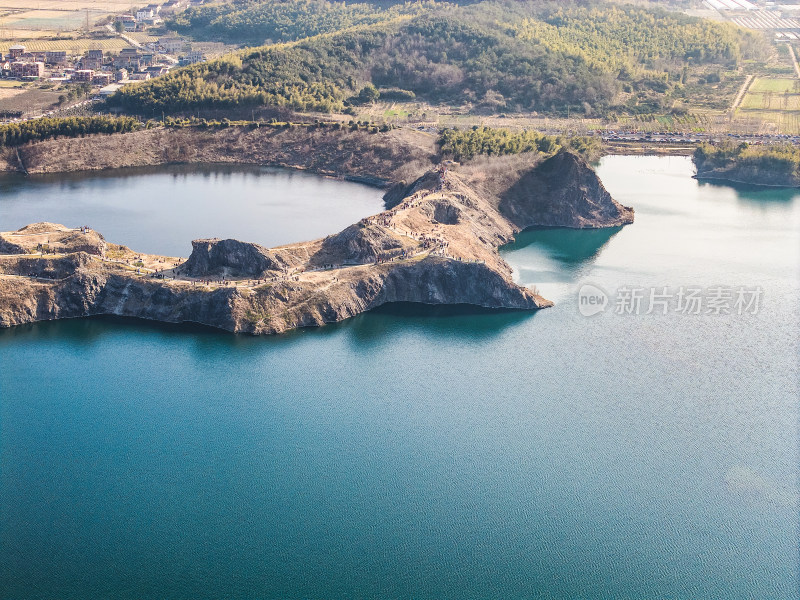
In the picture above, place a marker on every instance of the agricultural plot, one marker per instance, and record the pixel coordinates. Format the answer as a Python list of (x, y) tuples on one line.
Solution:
[(71, 46), (782, 85), (771, 101), (29, 100), (25, 19), (771, 105), (55, 20), (69, 5), (764, 121), (142, 37)]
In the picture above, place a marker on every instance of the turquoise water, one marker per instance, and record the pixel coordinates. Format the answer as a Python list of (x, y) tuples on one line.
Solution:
[(433, 453)]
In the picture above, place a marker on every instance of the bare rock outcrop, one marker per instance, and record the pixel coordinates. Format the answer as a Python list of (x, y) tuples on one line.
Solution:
[(53, 239), (360, 243), (235, 259), (563, 191), (438, 244)]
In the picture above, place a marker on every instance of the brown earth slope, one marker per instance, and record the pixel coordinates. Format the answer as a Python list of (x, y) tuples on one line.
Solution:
[(377, 158)]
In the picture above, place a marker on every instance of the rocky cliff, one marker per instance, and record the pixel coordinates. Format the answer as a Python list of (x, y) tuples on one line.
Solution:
[(437, 245), (563, 191), (748, 174)]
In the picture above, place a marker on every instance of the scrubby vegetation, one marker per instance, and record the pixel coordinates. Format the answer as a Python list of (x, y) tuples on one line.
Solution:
[(465, 144), (15, 134), (551, 57), (181, 123), (259, 22), (779, 163)]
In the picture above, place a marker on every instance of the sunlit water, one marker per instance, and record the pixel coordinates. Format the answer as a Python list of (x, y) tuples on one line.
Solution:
[(432, 453)]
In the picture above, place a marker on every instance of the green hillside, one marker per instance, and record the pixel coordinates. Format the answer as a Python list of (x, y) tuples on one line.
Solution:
[(503, 56)]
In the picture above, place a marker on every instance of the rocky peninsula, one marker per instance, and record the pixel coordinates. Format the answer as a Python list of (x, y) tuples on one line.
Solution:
[(437, 244), (770, 166)]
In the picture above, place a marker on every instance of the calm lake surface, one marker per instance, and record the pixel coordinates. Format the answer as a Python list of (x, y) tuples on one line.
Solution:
[(421, 452), (161, 210)]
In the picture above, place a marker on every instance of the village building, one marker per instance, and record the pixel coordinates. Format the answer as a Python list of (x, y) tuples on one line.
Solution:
[(128, 58), (16, 51), (194, 56), (55, 57), (27, 69), (93, 60), (156, 70), (83, 76), (102, 79), (172, 6), (144, 13), (171, 45), (128, 22)]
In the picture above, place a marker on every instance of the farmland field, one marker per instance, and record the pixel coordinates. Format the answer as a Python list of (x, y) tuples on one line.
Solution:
[(141, 36), (99, 5), (57, 20), (771, 105), (767, 121), (24, 19), (72, 46), (771, 101), (29, 99), (764, 84)]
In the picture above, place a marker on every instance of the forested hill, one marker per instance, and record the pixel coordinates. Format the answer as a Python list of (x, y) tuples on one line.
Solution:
[(506, 56), (256, 22)]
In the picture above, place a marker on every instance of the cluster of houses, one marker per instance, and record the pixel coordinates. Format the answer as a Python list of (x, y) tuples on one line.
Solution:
[(152, 14), (104, 70), (96, 67)]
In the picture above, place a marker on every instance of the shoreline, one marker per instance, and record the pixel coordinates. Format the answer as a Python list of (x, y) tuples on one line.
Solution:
[(730, 180), (143, 170), (439, 244)]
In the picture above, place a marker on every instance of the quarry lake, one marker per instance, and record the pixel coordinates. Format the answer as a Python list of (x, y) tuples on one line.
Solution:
[(416, 452), (162, 209)]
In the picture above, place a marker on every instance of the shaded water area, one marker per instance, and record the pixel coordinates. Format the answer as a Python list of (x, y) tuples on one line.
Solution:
[(160, 210), (418, 452)]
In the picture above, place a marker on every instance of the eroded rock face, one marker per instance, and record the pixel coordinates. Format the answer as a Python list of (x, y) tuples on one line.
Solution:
[(233, 259), (437, 245), (563, 191), (52, 238), (358, 244)]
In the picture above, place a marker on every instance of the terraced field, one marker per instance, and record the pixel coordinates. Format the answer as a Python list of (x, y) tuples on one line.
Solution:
[(73, 46), (25, 19)]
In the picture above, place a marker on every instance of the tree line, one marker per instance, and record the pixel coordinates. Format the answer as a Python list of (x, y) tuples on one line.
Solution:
[(464, 144), (780, 159), (15, 134)]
